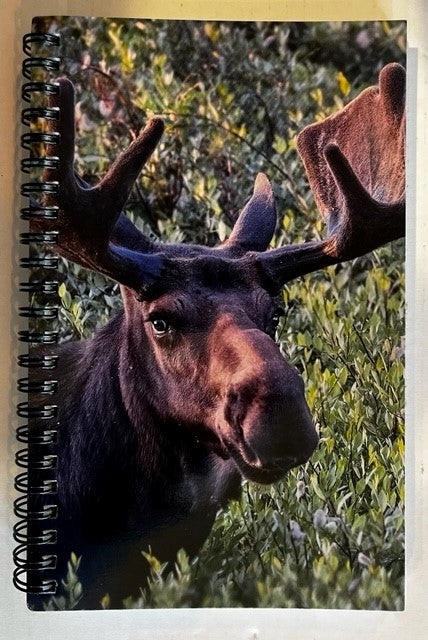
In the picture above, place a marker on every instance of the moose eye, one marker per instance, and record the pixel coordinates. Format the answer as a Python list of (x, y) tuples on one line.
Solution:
[(160, 326), (274, 322)]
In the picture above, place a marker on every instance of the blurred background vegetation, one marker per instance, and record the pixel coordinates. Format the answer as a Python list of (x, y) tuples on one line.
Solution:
[(234, 96)]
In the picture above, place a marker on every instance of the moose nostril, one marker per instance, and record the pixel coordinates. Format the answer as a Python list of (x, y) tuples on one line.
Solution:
[(294, 460), (287, 462), (283, 433)]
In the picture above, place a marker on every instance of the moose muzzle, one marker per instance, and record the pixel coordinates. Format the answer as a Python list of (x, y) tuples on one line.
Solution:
[(263, 420)]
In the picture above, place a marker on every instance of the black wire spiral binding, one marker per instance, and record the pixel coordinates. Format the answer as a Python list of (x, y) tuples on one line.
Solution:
[(35, 508)]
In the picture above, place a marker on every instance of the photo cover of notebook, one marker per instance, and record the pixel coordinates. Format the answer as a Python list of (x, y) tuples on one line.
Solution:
[(213, 384)]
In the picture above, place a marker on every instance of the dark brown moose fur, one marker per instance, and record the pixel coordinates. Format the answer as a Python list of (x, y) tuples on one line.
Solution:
[(184, 392)]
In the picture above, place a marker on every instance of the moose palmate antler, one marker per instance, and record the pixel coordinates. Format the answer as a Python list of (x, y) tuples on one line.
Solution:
[(355, 164)]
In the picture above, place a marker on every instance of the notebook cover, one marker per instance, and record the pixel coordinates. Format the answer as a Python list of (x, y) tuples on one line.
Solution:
[(152, 411)]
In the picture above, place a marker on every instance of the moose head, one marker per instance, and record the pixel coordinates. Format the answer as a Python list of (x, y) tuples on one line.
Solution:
[(203, 319)]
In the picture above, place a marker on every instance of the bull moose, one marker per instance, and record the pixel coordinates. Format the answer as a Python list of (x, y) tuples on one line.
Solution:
[(185, 392)]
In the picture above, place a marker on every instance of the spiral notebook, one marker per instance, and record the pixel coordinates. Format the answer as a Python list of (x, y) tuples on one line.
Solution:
[(213, 369)]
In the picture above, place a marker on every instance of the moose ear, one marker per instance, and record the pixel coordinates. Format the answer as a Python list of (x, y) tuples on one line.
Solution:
[(256, 223)]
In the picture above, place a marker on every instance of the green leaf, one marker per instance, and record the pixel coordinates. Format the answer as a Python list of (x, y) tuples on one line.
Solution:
[(344, 85)]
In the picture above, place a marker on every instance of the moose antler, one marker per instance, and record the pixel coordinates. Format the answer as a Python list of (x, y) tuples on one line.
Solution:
[(92, 230), (354, 161)]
